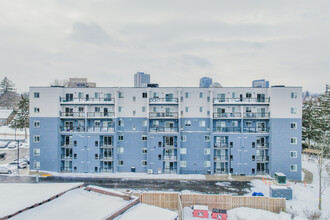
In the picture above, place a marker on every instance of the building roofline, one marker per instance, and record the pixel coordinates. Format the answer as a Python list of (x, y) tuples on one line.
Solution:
[(114, 87)]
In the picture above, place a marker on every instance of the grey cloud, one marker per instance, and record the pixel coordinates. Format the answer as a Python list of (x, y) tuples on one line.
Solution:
[(189, 60)]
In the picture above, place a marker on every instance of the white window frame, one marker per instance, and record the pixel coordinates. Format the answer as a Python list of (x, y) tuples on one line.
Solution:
[(187, 123), (144, 150), (36, 152), (122, 139), (120, 95), (201, 109), (120, 163), (207, 138), (201, 95), (294, 170), (144, 137), (144, 109), (294, 95), (36, 165), (183, 163), (36, 110), (294, 142), (36, 137), (295, 154), (36, 124), (183, 138), (187, 95), (202, 123), (207, 151), (36, 95), (120, 108), (120, 150), (183, 150), (121, 123), (186, 109), (293, 111), (142, 163), (207, 163), (295, 125), (145, 123)]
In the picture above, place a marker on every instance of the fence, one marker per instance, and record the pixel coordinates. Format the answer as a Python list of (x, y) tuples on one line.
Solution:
[(175, 201)]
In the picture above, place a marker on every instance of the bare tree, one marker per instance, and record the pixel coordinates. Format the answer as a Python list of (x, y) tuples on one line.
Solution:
[(58, 82), (323, 165)]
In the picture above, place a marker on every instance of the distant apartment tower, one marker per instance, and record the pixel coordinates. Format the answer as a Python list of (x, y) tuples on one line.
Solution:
[(260, 83), (141, 80), (205, 82)]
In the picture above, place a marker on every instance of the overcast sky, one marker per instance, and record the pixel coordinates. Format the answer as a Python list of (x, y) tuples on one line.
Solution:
[(177, 42)]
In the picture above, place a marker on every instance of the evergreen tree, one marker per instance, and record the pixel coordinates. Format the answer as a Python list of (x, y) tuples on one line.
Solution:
[(8, 95), (7, 85), (21, 119)]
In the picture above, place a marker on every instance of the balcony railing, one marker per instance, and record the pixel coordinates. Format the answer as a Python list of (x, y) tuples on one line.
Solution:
[(239, 100), (163, 129), (227, 129), (170, 170), (100, 114), (220, 158), (163, 100), (262, 171), (89, 100), (106, 146), (66, 157), (170, 145), (106, 170), (220, 171), (66, 169), (255, 115), (262, 159), (72, 114), (163, 115), (255, 130), (170, 157), (89, 129), (227, 115), (220, 145), (106, 158), (66, 145), (263, 146)]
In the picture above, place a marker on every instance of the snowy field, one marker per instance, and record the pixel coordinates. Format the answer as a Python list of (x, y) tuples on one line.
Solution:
[(9, 133), (17, 196)]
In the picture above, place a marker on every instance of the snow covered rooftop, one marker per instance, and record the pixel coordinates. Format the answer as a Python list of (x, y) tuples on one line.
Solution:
[(4, 113), (201, 207)]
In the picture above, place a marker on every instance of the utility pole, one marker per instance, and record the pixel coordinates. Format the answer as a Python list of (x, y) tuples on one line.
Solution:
[(17, 155)]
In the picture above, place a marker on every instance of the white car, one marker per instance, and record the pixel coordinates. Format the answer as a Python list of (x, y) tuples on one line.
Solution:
[(12, 145), (22, 164), (7, 169)]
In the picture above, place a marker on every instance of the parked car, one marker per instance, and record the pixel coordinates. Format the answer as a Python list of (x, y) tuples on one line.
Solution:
[(21, 165), (6, 169), (2, 156), (23, 160), (12, 145), (4, 144)]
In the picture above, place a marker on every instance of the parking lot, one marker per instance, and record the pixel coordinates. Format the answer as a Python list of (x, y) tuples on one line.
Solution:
[(11, 156)]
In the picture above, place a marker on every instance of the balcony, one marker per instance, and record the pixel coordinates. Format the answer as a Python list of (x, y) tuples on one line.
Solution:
[(100, 114), (220, 145), (66, 157), (165, 115), (227, 129), (262, 171), (106, 146), (220, 158), (66, 169), (101, 129), (106, 170), (263, 146), (170, 145), (240, 101), (66, 145), (89, 129), (255, 130), (262, 159), (87, 101), (106, 158), (254, 115), (163, 101), (170, 157), (220, 171), (170, 170), (72, 114), (227, 115), (163, 129)]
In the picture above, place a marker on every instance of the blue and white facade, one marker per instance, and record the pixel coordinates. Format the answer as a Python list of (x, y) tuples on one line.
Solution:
[(244, 131)]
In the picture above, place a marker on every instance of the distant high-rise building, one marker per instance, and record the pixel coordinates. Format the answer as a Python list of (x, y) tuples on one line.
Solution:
[(260, 83), (141, 80), (205, 82)]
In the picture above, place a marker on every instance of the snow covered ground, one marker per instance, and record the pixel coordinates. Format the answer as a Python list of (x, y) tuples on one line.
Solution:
[(8, 133), (17, 196)]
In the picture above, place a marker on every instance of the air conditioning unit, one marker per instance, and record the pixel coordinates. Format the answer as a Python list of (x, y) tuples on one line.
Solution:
[(150, 171)]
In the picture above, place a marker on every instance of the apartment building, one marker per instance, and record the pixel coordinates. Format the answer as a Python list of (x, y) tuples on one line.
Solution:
[(243, 131)]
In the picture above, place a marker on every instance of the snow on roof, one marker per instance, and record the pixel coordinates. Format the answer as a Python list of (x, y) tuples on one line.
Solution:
[(201, 207), (75, 204), (5, 113), (18, 196), (147, 212), (279, 174)]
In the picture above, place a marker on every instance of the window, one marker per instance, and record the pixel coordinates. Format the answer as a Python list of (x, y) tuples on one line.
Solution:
[(97, 109), (187, 109), (143, 109), (144, 95), (120, 123), (202, 123), (144, 163), (120, 95), (120, 137), (134, 112), (234, 123), (36, 124), (208, 99), (293, 95), (134, 98), (120, 150), (293, 125), (120, 162), (207, 163), (253, 157), (81, 109), (144, 150), (36, 110), (248, 124), (293, 154), (293, 167), (293, 111), (96, 143), (207, 138), (201, 95), (80, 95), (36, 152), (201, 109), (183, 150), (159, 156), (144, 137), (293, 140), (183, 138), (96, 95), (187, 123), (206, 151), (97, 123), (145, 123), (36, 95), (120, 108), (36, 165), (248, 95), (36, 138), (75, 143), (96, 156), (74, 156), (208, 113), (183, 163), (187, 94)]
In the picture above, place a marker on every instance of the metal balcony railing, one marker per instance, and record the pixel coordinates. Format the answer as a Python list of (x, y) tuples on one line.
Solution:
[(100, 114), (255, 130), (262, 159), (106, 170), (66, 145), (170, 170), (106, 158), (220, 145), (170, 157), (170, 145), (220, 158), (84, 100), (254, 115), (66, 169), (265, 145), (227, 115), (240, 100), (163, 100), (163, 115), (72, 114), (106, 146), (262, 171), (100, 129), (227, 129), (163, 129), (220, 171), (89, 129), (66, 157)]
